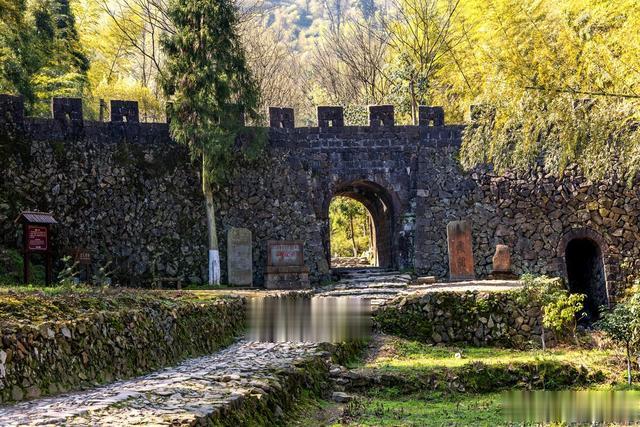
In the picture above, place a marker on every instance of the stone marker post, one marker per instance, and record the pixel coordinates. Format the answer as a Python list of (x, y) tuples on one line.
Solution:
[(502, 264), (461, 264), (239, 257)]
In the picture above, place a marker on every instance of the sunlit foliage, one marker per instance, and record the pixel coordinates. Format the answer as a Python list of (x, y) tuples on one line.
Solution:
[(351, 228)]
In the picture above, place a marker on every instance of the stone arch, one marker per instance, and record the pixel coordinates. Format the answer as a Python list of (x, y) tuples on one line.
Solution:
[(583, 253), (382, 207)]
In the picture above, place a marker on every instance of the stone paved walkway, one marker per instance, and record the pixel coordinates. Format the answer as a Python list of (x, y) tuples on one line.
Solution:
[(174, 396)]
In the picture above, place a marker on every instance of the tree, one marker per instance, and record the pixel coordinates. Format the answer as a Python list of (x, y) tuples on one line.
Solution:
[(531, 61), (350, 228), (63, 71), (40, 54), (559, 308), (622, 325), (275, 68), (562, 312), (207, 80), (420, 33)]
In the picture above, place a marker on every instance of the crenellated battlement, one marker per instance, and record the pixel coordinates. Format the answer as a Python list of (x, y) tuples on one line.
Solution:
[(67, 121)]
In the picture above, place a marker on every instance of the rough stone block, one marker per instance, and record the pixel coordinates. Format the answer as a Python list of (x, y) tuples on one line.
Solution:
[(502, 259), (67, 110), (285, 265), (430, 116), (330, 117), (125, 111), (285, 253), (381, 116), (280, 117), (11, 109)]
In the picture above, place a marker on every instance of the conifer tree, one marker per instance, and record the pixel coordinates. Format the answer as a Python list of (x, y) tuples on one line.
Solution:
[(206, 79)]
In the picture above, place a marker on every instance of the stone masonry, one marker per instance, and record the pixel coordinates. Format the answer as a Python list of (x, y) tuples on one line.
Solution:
[(126, 192)]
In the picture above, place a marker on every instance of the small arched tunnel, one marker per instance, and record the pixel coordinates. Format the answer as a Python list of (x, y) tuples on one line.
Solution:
[(379, 207), (586, 274)]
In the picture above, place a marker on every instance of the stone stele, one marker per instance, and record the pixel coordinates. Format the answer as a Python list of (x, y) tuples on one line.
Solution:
[(285, 265), (461, 264), (239, 257), (502, 259)]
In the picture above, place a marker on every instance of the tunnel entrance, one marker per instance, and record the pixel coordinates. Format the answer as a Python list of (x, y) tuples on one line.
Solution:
[(360, 217), (585, 271)]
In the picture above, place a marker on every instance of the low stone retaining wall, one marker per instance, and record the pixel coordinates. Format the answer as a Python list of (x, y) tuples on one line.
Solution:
[(473, 317), (477, 377), (50, 357)]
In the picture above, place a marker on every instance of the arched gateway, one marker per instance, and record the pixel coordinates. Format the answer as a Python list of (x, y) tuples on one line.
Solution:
[(379, 203)]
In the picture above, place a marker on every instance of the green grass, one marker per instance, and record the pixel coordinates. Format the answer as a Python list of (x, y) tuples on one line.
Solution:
[(384, 408), (35, 304), (408, 356)]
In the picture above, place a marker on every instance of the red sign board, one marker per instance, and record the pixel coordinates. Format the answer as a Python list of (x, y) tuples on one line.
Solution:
[(37, 238)]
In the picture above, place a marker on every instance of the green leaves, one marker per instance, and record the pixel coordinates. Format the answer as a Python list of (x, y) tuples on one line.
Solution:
[(208, 83), (40, 53), (622, 322), (562, 311)]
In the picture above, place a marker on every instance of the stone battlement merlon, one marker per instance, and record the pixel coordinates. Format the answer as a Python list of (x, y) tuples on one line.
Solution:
[(67, 120)]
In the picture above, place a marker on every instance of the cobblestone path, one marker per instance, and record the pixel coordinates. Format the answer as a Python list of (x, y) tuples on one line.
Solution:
[(181, 395)]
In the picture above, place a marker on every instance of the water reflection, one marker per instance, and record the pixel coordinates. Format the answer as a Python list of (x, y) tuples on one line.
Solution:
[(304, 319), (572, 407)]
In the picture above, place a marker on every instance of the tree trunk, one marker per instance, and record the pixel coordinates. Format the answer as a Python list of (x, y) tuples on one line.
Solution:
[(214, 254), (414, 107), (353, 237), (544, 344), (628, 365)]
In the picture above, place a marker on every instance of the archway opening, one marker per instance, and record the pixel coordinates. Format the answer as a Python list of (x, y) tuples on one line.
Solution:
[(585, 271), (352, 234), (370, 244)]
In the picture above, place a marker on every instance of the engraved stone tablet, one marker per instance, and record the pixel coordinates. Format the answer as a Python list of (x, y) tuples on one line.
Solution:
[(285, 253), (461, 265), (239, 257)]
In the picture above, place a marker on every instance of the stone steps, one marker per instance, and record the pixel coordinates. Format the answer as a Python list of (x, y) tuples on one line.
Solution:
[(373, 284)]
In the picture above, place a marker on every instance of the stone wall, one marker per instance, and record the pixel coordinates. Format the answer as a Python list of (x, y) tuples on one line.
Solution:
[(471, 318), (535, 213), (126, 192), (47, 357)]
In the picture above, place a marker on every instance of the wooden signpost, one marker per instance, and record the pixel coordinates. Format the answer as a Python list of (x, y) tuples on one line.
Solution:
[(36, 235)]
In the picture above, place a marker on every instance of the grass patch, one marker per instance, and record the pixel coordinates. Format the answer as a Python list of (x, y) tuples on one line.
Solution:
[(405, 356), (384, 408), (34, 304)]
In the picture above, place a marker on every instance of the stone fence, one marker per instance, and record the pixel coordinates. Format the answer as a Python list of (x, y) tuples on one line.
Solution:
[(468, 318), (38, 359)]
